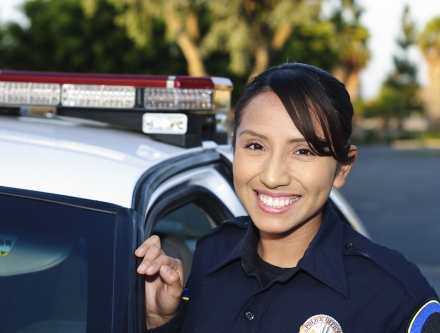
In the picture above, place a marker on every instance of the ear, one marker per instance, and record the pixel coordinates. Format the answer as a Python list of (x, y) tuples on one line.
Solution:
[(344, 168)]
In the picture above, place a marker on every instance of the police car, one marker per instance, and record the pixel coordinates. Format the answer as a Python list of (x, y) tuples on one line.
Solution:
[(91, 165)]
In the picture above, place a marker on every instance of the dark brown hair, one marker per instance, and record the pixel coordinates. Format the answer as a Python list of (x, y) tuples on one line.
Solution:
[(312, 97)]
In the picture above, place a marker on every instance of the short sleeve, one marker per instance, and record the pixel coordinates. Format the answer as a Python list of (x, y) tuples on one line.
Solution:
[(417, 316)]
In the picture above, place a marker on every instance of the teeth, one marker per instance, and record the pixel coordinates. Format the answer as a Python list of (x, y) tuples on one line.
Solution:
[(276, 202), (270, 202)]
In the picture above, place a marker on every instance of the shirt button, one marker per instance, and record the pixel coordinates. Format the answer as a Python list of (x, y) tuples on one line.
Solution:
[(249, 315), (350, 247)]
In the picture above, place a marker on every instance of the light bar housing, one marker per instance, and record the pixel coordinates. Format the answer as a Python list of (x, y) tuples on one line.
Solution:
[(164, 123), (123, 100)]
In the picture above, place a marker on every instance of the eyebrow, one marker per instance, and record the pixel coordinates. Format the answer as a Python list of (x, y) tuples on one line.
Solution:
[(250, 132)]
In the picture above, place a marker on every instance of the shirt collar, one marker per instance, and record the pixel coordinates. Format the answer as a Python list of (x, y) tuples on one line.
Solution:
[(323, 258)]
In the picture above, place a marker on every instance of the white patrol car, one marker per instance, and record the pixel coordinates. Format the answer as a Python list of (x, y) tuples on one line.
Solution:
[(78, 196)]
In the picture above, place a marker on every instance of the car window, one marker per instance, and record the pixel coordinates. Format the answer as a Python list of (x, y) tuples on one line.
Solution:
[(179, 231), (51, 259)]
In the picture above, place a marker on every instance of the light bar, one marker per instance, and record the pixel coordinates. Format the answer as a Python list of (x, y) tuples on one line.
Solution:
[(29, 93), (104, 96), (164, 123), (177, 99), (179, 110)]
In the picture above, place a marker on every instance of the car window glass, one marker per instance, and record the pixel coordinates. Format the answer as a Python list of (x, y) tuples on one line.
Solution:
[(51, 257), (179, 231)]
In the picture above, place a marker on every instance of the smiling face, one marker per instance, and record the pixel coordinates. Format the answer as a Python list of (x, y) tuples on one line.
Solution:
[(279, 180)]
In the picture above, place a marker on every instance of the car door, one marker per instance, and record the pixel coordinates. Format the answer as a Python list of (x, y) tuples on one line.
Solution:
[(183, 199)]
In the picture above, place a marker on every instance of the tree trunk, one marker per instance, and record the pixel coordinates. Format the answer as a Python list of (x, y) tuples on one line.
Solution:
[(350, 77), (281, 36), (191, 54), (353, 84), (261, 59), (187, 44), (431, 93)]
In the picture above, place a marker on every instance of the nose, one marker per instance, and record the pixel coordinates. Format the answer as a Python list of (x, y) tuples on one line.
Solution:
[(275, 172)]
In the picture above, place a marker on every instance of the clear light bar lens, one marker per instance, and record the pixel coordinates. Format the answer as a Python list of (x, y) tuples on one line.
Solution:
[(104, 96), (222, 100), (29, 93), (164, 123), (177, 99)]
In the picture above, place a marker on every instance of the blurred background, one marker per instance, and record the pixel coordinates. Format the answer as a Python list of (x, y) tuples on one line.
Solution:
[(386, 52)]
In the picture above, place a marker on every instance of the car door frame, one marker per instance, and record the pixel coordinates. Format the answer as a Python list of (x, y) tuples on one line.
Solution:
[(188, 178)]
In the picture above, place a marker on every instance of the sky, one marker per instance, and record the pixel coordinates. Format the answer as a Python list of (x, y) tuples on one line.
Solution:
[(381, 17)]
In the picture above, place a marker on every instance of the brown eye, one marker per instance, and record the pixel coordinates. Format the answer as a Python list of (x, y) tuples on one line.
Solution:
[(254, 146), (303, 152)]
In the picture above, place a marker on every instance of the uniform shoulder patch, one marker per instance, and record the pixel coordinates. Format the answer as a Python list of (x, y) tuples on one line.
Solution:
[(320, 324), (426, 319)]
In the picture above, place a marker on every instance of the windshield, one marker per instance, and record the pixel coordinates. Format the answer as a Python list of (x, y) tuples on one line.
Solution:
[(54, 260)]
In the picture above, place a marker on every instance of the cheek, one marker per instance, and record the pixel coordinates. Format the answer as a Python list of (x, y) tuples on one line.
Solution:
[(316, 177), (245, 169), (239, 168)]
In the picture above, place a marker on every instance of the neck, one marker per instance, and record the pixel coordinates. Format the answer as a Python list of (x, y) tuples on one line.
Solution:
[(287, 249)]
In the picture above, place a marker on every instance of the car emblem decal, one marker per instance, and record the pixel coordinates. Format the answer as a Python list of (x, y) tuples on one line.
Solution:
[(320, 324), (427, 315), (6, 244)]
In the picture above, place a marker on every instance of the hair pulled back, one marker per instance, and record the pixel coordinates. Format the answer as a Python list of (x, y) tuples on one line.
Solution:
[(313, 99)]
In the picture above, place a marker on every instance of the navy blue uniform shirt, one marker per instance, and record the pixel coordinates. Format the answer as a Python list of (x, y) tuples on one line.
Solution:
[(344, 282)]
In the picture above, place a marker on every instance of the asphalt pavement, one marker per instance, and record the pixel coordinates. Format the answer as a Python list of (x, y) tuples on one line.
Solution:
[(396, 194)]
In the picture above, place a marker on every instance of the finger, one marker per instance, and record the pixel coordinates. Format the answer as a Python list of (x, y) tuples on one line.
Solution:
[(177, 266), (151, 241), (173, 280), (164, 260), (152, 255)]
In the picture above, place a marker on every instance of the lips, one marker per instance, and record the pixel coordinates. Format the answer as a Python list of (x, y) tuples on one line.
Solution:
[(278, 201)]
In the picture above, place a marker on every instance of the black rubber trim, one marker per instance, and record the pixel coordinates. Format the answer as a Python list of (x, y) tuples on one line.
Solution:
[(168, 202), (183, 195), (92, 205), (150, 180)]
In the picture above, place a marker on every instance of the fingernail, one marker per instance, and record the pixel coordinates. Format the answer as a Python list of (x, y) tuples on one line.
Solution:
[(166, 270), (140, 251), (150, 269), (142, 267)]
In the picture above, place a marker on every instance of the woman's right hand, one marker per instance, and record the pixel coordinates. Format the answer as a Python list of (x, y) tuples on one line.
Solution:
[(163, 282)]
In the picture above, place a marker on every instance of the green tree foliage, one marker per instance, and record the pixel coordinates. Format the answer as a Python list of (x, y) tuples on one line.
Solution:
[(311, 44), (429, 39), (252, 34), (399, 95), (158, 36), (252, 31), (181, 18), (61, 38)]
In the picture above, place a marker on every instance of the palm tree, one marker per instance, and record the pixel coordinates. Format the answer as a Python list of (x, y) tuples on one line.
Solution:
[(429, 43), (352, 45)]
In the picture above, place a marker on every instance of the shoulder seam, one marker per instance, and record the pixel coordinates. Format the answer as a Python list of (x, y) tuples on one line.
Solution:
[(394, 258)]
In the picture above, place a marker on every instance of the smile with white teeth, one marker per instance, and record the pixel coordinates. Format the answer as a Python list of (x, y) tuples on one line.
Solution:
[(276, 202)]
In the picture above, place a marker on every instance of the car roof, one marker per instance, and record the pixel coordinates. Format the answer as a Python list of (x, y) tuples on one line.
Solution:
[(77, 159)]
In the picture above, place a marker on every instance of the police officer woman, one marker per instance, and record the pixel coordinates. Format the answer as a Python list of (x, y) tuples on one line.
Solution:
[(291, 265)]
